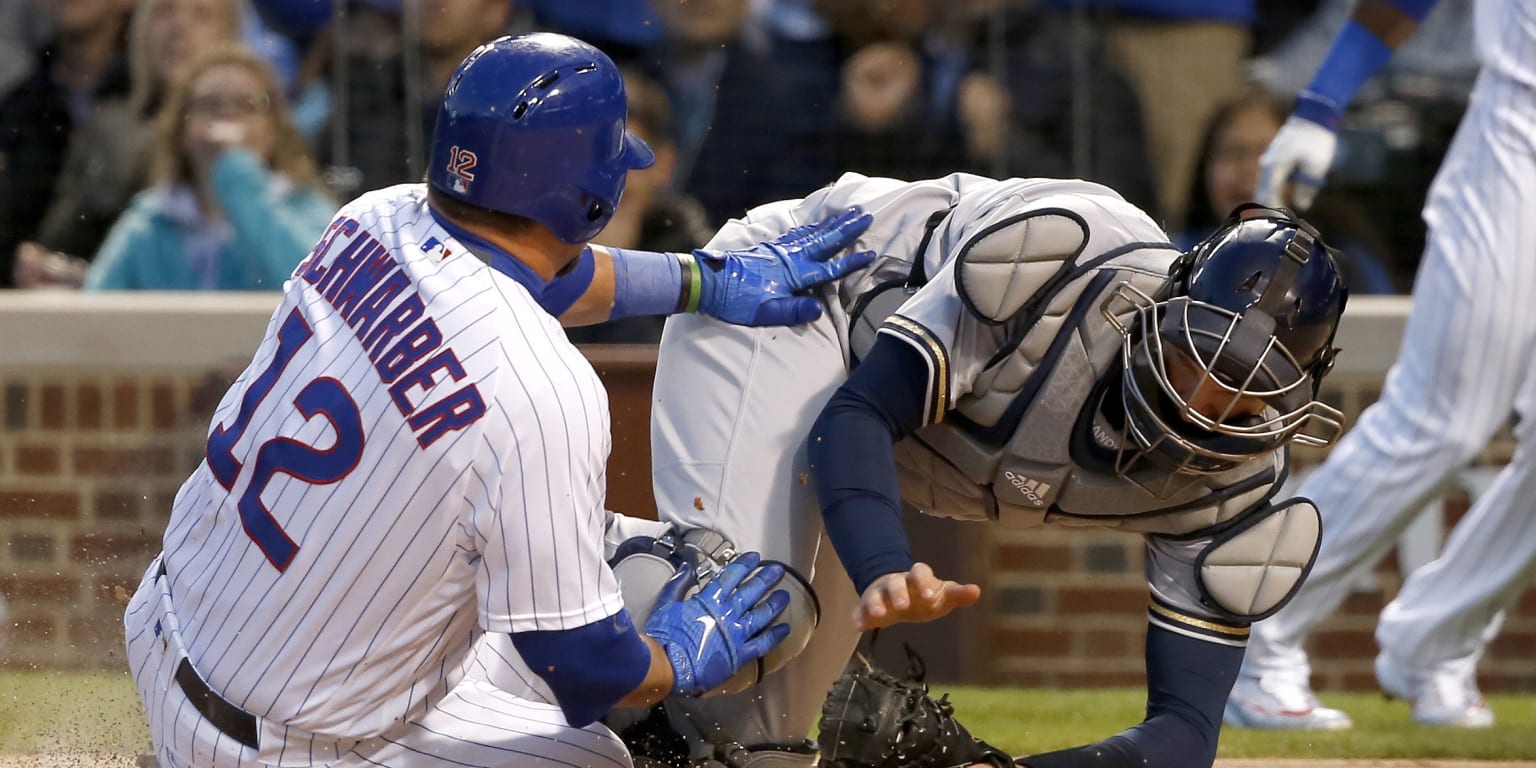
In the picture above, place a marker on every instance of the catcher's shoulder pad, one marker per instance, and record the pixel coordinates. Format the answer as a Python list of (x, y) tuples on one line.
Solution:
[(1006, 264)]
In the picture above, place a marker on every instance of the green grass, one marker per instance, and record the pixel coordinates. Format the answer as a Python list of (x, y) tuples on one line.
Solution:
[(1027, 721), (43, 712), (99, 712)]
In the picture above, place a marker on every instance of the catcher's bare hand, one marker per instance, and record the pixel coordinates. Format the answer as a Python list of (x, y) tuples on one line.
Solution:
[(915, 596)]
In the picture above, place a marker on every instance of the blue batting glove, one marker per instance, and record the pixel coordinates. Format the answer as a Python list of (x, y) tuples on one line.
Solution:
[(759, 285), (726, 626)]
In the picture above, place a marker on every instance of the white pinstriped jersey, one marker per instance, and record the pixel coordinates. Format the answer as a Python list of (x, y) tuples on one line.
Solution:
[(1506, 39), (1463, 368), (415, 455)]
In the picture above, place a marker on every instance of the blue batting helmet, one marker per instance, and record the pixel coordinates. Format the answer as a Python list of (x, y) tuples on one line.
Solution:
[(1245, 321), (534, 126)]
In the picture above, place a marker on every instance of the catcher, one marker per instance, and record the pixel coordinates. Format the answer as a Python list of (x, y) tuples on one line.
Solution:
[(1026, 352)]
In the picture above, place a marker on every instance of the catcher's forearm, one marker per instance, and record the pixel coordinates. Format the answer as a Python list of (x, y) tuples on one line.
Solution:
[(1188, 681), (854, 464)]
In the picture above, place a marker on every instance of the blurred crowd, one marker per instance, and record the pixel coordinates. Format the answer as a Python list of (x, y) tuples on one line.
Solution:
[(203, 144)]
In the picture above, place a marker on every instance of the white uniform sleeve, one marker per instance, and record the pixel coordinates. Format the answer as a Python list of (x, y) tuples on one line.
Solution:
[(900, 209), (541, 531), (953, 342)]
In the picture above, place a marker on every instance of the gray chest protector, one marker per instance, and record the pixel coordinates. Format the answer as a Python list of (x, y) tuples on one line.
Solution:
[(1028, 445)]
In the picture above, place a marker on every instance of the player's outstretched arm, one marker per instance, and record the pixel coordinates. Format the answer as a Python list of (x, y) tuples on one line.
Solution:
[(760, 285), (690, 645), (763, 284), (1303, 150), (854, 467)]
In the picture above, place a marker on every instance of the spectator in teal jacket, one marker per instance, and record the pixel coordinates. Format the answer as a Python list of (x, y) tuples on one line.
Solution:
[(236, 203)]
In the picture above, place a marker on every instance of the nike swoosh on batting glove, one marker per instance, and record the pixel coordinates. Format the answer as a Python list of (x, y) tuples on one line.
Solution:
[(728, 624)]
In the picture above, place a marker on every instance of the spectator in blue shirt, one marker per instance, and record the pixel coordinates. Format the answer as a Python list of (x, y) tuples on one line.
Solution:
[(236, 203)]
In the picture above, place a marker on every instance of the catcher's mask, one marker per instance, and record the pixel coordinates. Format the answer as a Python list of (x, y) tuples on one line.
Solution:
[(1223, 364)]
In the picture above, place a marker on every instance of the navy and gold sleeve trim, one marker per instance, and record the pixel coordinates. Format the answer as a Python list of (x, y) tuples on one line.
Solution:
[(934, 354), (1226, 633)]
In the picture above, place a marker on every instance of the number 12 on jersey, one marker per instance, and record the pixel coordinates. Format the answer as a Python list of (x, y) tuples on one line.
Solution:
[(324, 396)]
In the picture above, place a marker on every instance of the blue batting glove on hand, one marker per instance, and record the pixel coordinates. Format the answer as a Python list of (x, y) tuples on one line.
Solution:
[(758, 285), (726, 626)]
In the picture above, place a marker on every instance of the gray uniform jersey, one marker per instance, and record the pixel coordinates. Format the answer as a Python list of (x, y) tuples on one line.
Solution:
[(733, 406), (1020, 357)]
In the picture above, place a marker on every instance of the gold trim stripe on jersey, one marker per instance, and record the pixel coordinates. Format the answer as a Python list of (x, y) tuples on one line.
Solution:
[(936, 352)]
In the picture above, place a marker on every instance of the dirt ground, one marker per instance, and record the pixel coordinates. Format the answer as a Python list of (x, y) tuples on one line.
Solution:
[(128, 761), (1370, 764)]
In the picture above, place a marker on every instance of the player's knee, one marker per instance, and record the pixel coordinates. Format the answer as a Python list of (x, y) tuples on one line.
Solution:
[(1465, 447), (644, 564)]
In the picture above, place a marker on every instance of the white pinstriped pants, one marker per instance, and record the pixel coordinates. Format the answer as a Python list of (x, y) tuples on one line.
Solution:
[(476, 724), (1468, 361)]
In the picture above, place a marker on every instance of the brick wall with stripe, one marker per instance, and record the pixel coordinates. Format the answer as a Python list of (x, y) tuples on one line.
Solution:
[(90, 461)]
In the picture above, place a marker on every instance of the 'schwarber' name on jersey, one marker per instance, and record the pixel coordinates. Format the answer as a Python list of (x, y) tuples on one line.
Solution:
[(364, 284)]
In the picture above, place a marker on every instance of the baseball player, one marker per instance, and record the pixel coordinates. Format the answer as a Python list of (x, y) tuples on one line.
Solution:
[(1463, 368), (415, 457), (1026, 351)]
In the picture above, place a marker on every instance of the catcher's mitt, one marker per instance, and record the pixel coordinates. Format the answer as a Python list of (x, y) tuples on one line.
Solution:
[(871, 719)]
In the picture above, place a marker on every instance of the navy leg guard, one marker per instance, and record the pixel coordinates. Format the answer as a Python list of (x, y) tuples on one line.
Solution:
[(1188, 681)]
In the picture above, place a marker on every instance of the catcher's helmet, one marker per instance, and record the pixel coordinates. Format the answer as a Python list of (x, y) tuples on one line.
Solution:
[(1245, 322), (534, 126)]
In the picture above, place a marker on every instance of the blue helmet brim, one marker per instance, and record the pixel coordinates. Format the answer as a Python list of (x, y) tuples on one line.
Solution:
[(637, 154)]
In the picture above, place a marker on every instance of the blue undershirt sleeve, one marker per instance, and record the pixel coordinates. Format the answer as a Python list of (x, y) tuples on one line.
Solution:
[(854, 463), (1417, 9), (1356, 55), (589, 668), (563, 291)]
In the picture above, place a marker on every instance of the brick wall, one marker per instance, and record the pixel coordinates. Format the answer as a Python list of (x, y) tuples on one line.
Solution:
[(88, 467), (92, 455), (1065, 608)]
